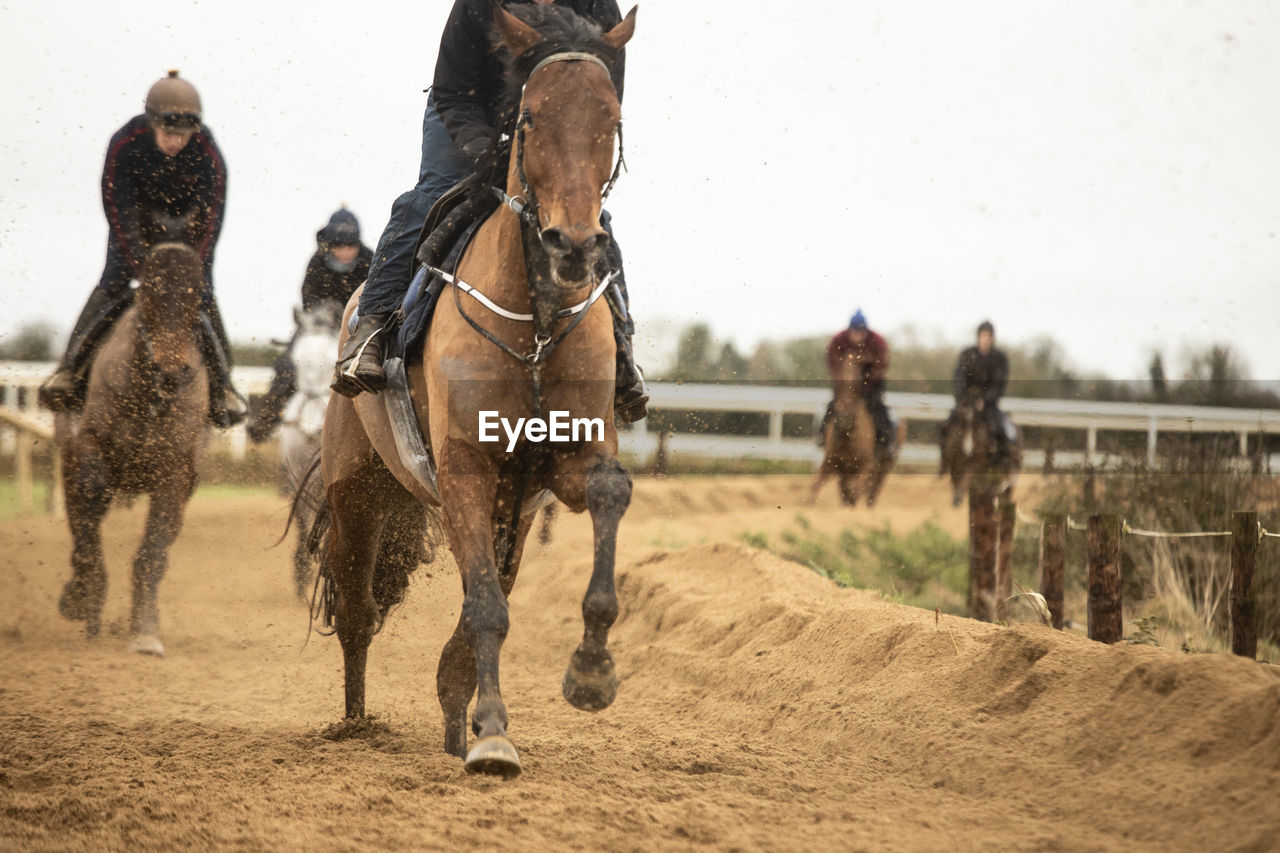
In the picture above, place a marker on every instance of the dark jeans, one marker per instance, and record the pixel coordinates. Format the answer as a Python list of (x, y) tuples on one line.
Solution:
[(443, 165)]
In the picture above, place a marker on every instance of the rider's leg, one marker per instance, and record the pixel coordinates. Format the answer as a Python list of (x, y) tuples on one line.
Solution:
[(359, 365), (880, 417), (226, 406), (995, 428), (283, 386), (631, 395), (105, 304)]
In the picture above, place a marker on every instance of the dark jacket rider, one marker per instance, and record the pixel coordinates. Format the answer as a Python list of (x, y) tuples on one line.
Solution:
[(979, 381), (460, 127), (339, 266), (161, 162)]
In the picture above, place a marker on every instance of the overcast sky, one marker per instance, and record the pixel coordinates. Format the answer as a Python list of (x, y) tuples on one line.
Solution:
[(1106, 173)]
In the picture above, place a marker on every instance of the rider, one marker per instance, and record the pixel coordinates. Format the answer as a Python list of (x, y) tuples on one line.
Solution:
[(871, 352), (339, 265), (980, 377), (460, 130), (161, 162)]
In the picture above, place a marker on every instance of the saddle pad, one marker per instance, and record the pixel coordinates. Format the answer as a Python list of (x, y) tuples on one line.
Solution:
[(420, 302)]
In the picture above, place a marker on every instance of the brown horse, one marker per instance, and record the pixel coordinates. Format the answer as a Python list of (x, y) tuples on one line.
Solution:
[(142, 431), (849, 443), (537, 256), (969, 458)]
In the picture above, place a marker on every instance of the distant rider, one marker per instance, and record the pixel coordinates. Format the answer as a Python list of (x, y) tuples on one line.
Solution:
[(871, 352), (161, 162), (340, 264), (460, 129), (979, 381)]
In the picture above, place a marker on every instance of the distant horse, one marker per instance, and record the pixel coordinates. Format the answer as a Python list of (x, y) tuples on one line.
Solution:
[(969, 457), (849, 447), (142, 431), (538, 256), (312, 355)]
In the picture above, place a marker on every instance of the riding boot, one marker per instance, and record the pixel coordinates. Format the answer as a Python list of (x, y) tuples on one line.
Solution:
[(64, 390), (359, 366), (271, 408), (226, 407), (631, 394)]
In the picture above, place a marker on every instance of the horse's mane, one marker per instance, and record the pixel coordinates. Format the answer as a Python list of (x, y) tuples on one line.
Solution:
[(563, 31)]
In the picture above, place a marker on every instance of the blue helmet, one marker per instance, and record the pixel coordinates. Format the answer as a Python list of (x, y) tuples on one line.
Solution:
[(857, 321)]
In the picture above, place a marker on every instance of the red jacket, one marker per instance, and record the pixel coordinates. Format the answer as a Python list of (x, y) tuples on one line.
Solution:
[(873, 355)]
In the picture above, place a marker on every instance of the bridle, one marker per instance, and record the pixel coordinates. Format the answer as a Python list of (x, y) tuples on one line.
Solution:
[(526, 205)]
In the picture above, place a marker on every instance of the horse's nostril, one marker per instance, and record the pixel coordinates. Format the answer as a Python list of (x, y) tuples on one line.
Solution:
[(556, 241), (601, 242)]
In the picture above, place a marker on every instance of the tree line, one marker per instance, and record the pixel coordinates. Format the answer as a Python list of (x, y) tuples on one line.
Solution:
[(1214, 375)]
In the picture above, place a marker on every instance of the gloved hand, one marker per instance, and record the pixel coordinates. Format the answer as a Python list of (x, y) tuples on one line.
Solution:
[(477, 148)]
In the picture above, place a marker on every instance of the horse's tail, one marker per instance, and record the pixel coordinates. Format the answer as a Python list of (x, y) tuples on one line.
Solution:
[(411, 535)]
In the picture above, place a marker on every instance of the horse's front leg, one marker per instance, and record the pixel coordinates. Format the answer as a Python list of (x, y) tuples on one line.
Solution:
[(468, 488), (164, 521), (590, 682), (88, 498)]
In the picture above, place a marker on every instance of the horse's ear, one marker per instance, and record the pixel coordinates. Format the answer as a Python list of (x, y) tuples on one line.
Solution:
[(621, 34), (516, 34)]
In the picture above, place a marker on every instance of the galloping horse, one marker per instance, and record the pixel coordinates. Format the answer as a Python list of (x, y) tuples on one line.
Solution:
[(968, 456), (537, 256), (303, 418), (849, 442), (142, 431)]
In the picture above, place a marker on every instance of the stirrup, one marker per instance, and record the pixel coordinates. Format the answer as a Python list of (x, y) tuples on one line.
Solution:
[(362, 370), (229, 411), (631, 402), (60, 393)]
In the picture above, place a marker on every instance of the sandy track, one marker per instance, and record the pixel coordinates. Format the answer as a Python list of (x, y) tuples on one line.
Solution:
[(760, 707)]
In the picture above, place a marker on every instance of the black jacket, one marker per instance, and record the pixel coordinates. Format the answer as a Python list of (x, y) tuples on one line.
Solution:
[(468, 80), (321, 282), (139, 178), (981, 377)]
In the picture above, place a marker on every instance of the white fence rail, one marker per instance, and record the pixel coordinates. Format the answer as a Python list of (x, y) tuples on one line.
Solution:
[(20, 380), (1087, 417)]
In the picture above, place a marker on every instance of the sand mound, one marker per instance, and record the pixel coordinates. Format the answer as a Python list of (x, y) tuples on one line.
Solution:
[(760, 708)]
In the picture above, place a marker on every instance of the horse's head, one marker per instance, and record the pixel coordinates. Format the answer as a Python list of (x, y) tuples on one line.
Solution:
[(169, 303), (160, 227), (569, 115), (848, 373), (321, 319)]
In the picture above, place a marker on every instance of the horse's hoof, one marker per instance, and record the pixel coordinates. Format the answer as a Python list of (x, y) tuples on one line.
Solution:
[(147, 644), (590, 691), (494, 755), (71, 603)]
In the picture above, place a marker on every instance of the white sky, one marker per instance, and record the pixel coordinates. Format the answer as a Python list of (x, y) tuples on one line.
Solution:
[(1104, 172)]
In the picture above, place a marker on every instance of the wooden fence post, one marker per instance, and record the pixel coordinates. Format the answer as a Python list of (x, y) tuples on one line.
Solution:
[(24, 472), (1244, 547), (1053, 540), (1106, 610), (1008, 519), (982, 555)]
